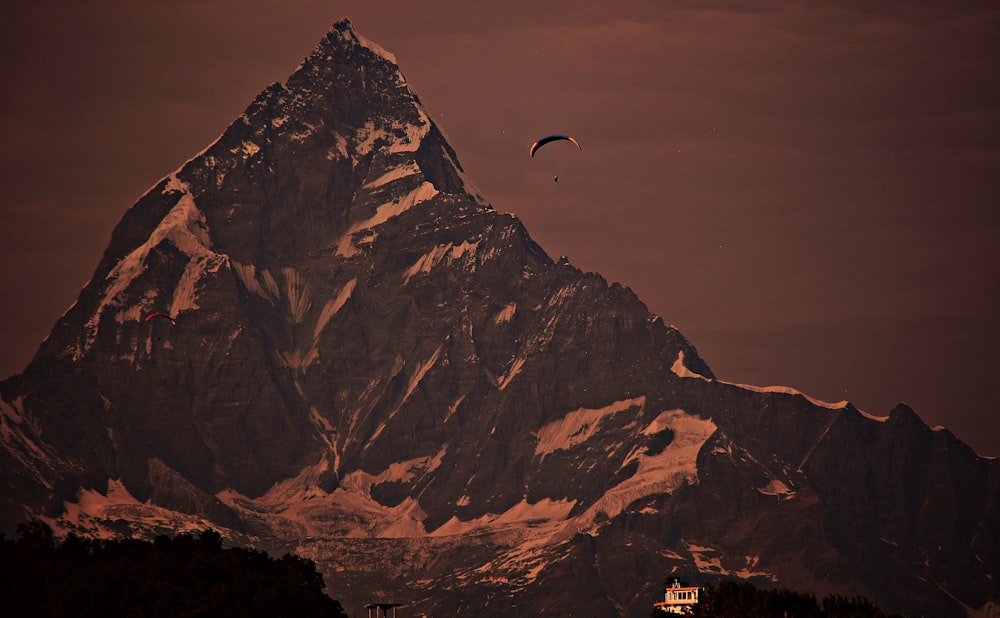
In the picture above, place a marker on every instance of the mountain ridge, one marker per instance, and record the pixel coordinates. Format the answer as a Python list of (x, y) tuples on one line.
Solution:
[(370, 366)]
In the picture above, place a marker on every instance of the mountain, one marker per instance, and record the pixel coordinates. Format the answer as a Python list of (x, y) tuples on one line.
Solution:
[(368, 365)]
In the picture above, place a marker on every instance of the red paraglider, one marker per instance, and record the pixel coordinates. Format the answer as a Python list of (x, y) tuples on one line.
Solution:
[(159, 315), (552, 138)]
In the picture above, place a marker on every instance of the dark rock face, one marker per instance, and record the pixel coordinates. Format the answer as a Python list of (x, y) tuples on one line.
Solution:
[(370, 366)]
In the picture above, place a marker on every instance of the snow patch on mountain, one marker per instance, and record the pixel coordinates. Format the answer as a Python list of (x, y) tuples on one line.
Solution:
[(408, 136), (872, 417), (16, 431), (137, 312), (325, 431), (332, 307), (522, 536), (515, 368), (94, 514), (547, 510), (562, 295), (407, 169), (397, 137), (247, 148), (579, 426), (418, 374), (262, 284), (359, 481), (339, 150), (298, 293), (709, 560), (186, 293), (453, 408), (299, 506), (425, 191), (13, 412), (506, 314), (375, 47), (184, 226), (447, 254), (681, 370), (665, 472), (303, 134), (421, 371), (777, 488), (786, 390), (304, 486), (372, 393)]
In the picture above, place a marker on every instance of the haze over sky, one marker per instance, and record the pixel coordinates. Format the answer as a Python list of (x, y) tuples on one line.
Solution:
[(809, 191)]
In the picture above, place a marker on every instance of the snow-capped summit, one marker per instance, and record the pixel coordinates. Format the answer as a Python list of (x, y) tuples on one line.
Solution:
[(369, 365)]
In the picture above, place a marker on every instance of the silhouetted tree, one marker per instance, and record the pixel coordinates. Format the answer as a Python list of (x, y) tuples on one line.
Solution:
[(185, 576)]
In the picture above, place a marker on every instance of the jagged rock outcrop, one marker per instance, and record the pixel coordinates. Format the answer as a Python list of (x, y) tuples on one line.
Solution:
[(372, 367)]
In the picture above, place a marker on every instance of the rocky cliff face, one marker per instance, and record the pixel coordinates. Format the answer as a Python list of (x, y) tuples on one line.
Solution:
[(368, 365)]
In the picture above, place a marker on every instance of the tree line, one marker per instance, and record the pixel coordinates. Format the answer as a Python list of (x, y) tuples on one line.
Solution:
[(184, 576), (739, 599), (195, 576)]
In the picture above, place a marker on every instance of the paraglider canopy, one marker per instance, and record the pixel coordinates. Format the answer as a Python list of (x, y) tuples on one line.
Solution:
[(159, 315), (552, 138)]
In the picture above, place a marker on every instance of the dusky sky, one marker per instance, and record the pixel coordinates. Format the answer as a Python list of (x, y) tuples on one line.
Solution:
[(809, 191)]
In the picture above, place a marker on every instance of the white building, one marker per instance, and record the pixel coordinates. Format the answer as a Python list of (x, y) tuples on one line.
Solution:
[(678, 599)]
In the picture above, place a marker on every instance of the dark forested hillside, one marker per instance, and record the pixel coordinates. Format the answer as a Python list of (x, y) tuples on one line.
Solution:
[(182, 576)]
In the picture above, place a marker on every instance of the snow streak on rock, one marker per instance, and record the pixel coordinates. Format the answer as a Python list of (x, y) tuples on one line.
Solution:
[(578, 426), (185, 228), (418, 374), (346, 246), (506, 314), (261, 284), (331, 308), (407, 169), (709, 560), (297, 291), (786, 390), (442, 254), (17, 432), (681, 370)]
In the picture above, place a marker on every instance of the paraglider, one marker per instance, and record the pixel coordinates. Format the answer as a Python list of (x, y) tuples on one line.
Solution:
[(552, 138), (159, 315)]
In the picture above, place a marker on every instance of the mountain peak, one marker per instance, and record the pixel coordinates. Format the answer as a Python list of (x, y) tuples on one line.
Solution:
[(344, 57), (370, 366), (343, 32)]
